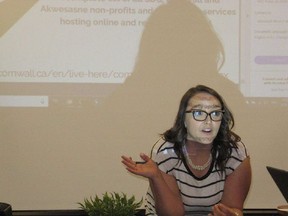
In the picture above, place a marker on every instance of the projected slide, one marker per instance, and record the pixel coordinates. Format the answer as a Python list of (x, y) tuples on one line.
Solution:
[(265, 48), (76, 52)]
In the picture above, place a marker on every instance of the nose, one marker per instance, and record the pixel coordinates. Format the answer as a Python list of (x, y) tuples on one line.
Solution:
[(208, 119)]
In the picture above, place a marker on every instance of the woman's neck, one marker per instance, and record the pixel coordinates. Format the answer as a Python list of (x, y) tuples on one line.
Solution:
[(195, 148)]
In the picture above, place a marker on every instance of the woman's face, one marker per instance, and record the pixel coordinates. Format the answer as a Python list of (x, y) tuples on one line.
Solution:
[(203, 132)]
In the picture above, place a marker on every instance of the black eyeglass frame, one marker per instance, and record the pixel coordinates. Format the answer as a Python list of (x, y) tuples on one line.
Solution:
[(207, 114)]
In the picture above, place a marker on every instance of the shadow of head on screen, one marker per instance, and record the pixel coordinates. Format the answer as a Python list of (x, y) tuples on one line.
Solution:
[(178, 50)]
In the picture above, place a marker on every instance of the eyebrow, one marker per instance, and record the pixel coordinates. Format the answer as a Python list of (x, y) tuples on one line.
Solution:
[(200, 106)]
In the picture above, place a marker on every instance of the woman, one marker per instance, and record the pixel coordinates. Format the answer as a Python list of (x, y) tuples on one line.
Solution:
[(201, 167)]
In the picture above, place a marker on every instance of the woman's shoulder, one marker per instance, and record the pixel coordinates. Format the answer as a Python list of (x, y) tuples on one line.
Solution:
[(164, 155), (240, 151), (238, 155), (162, 147)]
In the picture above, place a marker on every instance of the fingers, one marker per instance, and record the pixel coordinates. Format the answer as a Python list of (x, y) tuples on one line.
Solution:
[(128, 162), (144, 157), (133, 166), (217, 210), (125, 158), (223, 210)]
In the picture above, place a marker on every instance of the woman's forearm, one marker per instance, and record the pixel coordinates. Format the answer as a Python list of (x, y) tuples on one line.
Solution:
[(167, 201)]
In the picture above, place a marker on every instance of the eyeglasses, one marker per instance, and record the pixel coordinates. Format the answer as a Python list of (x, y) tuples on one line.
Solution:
[(201, 115)]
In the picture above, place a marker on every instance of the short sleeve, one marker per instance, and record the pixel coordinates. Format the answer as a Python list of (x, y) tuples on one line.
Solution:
[(164, 155), (238, 155)]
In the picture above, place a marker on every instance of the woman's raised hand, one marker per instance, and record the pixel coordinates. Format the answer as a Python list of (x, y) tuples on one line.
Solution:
[(148, 168)]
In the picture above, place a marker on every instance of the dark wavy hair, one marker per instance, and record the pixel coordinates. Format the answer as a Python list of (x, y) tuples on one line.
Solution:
[(225, 139)]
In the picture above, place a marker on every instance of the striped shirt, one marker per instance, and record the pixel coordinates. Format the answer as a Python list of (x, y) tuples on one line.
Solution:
[(198, 194)]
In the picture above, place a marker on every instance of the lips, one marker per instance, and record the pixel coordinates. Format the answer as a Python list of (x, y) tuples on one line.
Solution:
[(207, 130)]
